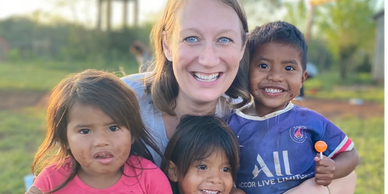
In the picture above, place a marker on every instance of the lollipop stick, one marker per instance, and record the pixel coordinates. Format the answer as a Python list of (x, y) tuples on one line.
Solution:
[(321, 155)]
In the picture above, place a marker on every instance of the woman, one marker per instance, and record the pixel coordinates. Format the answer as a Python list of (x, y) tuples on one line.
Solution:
[(198, 48)]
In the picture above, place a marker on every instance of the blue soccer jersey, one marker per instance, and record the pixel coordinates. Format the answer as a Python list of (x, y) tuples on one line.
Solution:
[(277, 150)]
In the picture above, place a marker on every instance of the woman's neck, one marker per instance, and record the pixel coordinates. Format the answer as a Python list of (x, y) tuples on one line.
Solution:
[(185, 106)]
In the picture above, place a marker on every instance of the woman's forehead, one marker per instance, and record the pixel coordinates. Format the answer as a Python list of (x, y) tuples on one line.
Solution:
[(203, 15)]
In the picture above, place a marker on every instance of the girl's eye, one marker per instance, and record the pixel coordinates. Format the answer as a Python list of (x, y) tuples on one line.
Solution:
[(84, 131), (263, 65), (191, 39), (202, 167), (289, 68), (114, 128), (226, 169), (225, 40)]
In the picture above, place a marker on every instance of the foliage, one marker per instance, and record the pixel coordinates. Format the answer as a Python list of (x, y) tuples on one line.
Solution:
[(262, 11), (65, 41), (346, 26)]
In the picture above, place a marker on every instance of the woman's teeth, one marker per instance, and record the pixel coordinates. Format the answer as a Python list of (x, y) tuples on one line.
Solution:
[(273, 90), (206, 78)]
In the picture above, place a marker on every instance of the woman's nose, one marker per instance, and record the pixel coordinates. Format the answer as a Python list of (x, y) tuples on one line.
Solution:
[(208, 56)]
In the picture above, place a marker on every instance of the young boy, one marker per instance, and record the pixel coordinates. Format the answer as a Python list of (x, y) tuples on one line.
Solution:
[(277, 137)]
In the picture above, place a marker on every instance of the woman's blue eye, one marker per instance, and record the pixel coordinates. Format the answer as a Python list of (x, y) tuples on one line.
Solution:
[(263, 65), (289, 68), (84, 131), (191, 39), (226, 169), (114, 128), (202, 167), (225, 40)]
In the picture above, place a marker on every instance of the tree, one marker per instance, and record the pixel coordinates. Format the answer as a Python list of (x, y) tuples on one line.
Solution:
[(262, 11), (346, 26)]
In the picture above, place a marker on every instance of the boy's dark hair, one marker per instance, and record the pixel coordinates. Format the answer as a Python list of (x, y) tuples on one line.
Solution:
[(278, 32), (196, 138)]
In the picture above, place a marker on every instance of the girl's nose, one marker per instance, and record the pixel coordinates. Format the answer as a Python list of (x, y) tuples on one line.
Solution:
[(214, 177), (208, 56), (100, 139)]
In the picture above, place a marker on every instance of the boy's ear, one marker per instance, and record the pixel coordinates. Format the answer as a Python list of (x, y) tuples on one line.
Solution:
[(172, 172), (166, 48), (304, 77)]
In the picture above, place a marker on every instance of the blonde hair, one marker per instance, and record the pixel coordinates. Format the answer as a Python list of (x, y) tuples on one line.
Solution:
[(162, 84)]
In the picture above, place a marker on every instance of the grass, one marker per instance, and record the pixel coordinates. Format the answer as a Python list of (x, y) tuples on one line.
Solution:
[(21, 133), (328, 85), (368, 137), (45, 75)]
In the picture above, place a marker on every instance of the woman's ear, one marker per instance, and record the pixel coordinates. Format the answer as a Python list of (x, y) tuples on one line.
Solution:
[(172, 172), (166, 47)]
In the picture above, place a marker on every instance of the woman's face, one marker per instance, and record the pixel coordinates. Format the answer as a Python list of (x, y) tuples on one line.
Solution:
[(205, 49)]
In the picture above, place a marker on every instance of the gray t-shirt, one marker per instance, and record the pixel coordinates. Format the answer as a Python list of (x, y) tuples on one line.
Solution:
[(152, 116)]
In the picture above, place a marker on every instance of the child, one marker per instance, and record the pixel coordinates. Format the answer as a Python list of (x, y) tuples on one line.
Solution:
[(96, 141), (202, 156), (276, 137)]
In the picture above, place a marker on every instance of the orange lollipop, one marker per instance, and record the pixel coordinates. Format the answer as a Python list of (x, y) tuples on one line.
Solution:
[(320, 146)]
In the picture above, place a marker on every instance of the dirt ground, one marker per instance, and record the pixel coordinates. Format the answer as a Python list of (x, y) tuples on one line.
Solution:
[(328, 108)]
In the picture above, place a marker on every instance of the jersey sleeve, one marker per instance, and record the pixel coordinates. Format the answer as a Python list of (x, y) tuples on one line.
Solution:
[(337, 141)]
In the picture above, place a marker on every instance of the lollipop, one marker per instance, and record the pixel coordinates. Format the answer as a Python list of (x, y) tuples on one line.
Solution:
[(320, 146)]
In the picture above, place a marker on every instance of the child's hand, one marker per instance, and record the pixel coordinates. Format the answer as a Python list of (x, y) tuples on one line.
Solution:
[(324, 170), (236, 191), (34, 190)]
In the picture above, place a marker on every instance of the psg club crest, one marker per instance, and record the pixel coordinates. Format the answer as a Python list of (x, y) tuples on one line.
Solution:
[(298, 133)]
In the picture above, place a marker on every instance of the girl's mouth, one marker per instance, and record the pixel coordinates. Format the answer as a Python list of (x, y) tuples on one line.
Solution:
[(210, 192)]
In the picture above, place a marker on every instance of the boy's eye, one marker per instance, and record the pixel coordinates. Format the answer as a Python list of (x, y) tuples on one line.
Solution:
[(202, 167), (114, 128), (289, 68), (263, 65), (191, 39), (226, 169), (84, 131)]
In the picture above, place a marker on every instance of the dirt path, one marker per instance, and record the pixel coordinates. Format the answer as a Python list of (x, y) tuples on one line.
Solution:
[(328, 108)]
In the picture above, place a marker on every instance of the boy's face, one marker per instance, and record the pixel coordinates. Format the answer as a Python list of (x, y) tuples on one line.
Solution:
[(275, 76)]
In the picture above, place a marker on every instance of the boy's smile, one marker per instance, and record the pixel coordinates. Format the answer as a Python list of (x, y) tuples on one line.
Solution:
[(275, 76)]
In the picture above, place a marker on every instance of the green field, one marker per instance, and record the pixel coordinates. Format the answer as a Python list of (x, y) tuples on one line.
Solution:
[(22, 130)]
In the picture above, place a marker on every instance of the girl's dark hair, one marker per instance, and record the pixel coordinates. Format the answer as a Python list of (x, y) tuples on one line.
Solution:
[(98, 89), (196, 138), (278, 32)]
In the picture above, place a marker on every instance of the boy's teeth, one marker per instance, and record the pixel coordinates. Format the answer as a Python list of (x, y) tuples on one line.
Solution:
[(206, 78), (272, 90)]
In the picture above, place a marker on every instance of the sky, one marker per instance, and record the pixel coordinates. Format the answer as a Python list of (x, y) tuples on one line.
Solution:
[(81, 10)]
